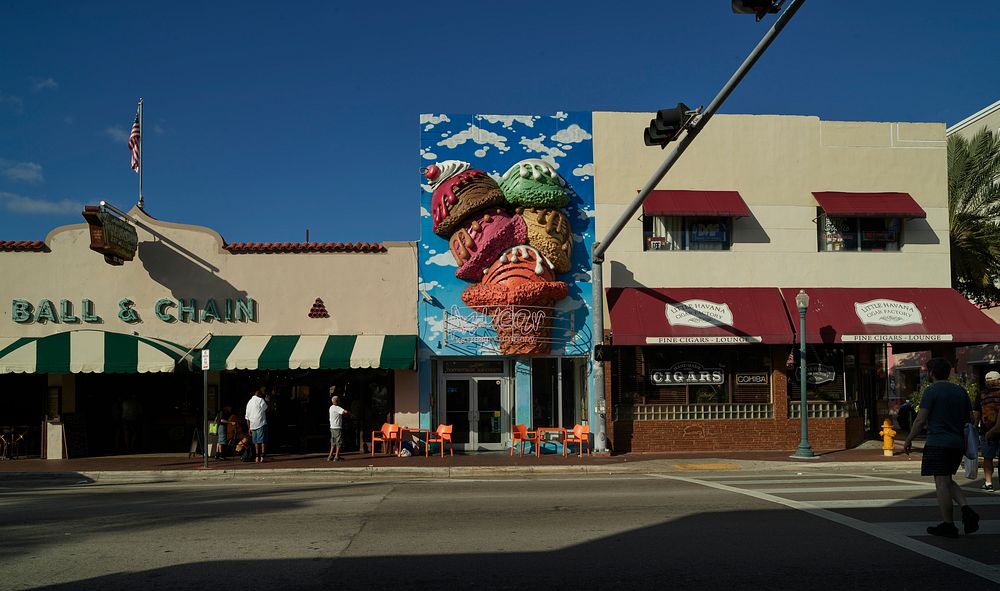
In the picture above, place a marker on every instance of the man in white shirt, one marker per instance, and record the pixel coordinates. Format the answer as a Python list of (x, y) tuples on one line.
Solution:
[(337, 414), (257, 418)]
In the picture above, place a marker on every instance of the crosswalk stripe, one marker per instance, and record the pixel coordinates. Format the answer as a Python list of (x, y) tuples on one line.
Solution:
[(911, 528), (894, 503), (839, 489)]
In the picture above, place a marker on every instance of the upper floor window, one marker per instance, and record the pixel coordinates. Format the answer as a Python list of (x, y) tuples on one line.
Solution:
[(686, 232), (869, 234)]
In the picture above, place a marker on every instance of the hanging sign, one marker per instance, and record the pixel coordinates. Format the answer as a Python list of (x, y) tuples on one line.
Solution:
[(111, 236)]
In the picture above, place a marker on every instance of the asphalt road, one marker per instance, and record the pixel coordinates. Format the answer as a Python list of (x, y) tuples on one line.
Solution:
[(815, 529)]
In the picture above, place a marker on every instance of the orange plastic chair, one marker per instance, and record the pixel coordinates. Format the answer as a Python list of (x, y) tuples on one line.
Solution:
[(441, 435), (580, 436), (519, 436), (388, 435)]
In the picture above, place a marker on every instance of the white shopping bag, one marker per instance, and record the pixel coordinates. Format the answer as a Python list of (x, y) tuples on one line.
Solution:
[(971, 460)]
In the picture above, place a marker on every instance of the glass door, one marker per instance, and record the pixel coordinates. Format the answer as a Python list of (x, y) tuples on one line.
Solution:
[(474, 406)]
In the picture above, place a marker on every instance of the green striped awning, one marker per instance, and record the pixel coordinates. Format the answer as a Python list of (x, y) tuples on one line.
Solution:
[(312, 352), (88, 351)]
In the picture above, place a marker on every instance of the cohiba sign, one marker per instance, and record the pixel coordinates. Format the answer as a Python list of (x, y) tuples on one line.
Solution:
[(115, 238)]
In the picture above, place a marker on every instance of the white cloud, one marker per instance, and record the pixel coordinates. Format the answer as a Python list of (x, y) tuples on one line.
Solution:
[(478, 135), (509, 120), (429, 121), (157, 129), (25, 172), (584, 213), (582, 277), (117, 134), (424, 213), (32, 205), (584, 170), (429, 286), (560, 115), (549, 154), (426, 154), (38, 84), (12, 102), (481, 151), (574, 134), (570, 304), (442, 260)]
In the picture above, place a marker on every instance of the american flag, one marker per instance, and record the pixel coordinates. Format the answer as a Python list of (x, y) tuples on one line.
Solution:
[(134, 140)]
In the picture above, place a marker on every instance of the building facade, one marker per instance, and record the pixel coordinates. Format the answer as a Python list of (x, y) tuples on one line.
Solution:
[(114, 351), (504, 274), (701, 286)]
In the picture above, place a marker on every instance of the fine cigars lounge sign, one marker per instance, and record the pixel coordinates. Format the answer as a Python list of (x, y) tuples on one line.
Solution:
[(115, 238)]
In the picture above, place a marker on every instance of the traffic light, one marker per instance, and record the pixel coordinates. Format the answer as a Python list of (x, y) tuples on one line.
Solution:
[(604, 352), (666, 126), (757, 7)]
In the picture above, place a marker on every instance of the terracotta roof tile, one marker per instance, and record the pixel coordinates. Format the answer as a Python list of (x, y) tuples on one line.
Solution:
[(23, 246), (302, 247)]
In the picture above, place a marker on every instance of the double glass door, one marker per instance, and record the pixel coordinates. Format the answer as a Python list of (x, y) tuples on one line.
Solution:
[(474, 406)]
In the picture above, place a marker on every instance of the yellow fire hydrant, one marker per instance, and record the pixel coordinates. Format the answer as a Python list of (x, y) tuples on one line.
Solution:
[(887, 434)]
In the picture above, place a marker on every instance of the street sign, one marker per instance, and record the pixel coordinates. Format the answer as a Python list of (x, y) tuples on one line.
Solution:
[(204, 360)]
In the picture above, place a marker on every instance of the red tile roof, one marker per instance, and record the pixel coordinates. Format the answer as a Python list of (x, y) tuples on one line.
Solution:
[(23, 246), (302, 247)]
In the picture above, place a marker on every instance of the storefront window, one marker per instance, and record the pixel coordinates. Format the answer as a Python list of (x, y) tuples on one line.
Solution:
[(825, 374), (858, 234), (686, 233), (555, 392)]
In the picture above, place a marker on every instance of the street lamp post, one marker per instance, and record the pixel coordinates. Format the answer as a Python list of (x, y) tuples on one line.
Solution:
[(804, 451)]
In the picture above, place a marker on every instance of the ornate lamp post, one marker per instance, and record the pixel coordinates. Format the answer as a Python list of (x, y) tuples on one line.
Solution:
[(802, 303)]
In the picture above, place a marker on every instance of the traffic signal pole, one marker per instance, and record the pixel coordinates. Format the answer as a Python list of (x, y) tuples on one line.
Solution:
[(599, 248)]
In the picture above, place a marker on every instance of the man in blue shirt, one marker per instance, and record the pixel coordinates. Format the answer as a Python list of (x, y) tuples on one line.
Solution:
[(944, 410)]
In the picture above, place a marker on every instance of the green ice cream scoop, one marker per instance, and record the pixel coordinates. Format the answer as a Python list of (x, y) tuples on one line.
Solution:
[(534, 183)]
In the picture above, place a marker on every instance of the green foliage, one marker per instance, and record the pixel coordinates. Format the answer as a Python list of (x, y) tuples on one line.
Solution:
[(973, 215)]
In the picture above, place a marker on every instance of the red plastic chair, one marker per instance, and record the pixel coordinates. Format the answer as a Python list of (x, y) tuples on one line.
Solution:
[(388, 435), (441, 436), (519, 436), (580, 436)]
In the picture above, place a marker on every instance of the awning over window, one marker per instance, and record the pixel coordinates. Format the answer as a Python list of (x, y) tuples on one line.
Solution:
[(869, 205), (698, 316), (892, 315), (88, 351), (312, 352), (695, 203)]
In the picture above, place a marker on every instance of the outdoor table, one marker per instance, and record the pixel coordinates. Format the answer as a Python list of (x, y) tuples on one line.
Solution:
[(422, 435), (541, 431)]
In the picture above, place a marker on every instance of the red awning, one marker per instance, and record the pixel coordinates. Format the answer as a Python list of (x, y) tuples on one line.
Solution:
[(891, 315), (721, 204), (698, 316), (869, 205)]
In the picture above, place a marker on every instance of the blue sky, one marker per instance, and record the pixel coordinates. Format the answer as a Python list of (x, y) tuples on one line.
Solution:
[(263, 120)]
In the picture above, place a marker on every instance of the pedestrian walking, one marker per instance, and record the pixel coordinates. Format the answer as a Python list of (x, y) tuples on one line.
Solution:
[(944, 410), (984, 413), (337, 414), (257, 417)]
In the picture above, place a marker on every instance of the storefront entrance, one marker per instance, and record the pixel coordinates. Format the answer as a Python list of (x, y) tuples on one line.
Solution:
[(474, 406)]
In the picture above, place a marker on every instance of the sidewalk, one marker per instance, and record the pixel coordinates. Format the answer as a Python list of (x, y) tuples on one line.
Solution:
[(161, 467)]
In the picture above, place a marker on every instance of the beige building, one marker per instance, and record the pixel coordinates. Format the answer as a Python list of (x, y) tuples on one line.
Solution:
[(701, 283), (81, 339)]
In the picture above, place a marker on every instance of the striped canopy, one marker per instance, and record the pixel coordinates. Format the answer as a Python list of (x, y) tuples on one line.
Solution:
[(312, 352), (88, 351)]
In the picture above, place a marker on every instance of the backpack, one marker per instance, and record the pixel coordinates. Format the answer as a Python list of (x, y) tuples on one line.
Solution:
[(990, 408)]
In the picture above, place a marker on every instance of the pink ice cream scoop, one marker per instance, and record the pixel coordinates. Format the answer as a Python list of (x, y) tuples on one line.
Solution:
[(479, 243)]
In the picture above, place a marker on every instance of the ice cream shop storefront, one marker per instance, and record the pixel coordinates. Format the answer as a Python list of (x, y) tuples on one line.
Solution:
[(504, 285)]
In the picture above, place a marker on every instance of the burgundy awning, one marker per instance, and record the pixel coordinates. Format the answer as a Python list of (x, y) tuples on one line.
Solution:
[(869, 205), (695, 203), (698, 316), (891, 315)]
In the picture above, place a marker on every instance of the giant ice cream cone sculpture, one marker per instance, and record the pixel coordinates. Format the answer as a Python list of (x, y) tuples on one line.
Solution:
[(519, 292)]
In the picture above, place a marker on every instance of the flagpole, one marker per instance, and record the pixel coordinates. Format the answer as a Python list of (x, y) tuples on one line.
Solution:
[(142, 132)]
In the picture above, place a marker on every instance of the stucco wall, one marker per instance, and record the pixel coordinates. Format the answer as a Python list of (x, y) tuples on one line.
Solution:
[(776, 162), (365, 293)]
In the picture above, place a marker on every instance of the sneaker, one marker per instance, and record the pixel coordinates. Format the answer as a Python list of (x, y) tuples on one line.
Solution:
[(340, 459), (947, 530), (329, 459), (970, 519), (988, 487)]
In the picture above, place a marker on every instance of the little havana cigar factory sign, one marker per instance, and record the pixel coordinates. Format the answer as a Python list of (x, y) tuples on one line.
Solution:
[(885, 312), (686, 373), (165, 310), (701, 314)]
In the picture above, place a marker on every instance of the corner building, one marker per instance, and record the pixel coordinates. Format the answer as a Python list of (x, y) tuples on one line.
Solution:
[(114, 352), (701, 283)]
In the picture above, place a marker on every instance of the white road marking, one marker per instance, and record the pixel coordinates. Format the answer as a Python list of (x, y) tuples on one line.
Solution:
[(888, 503), (974, 567), (909, 528), (837, 489)]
